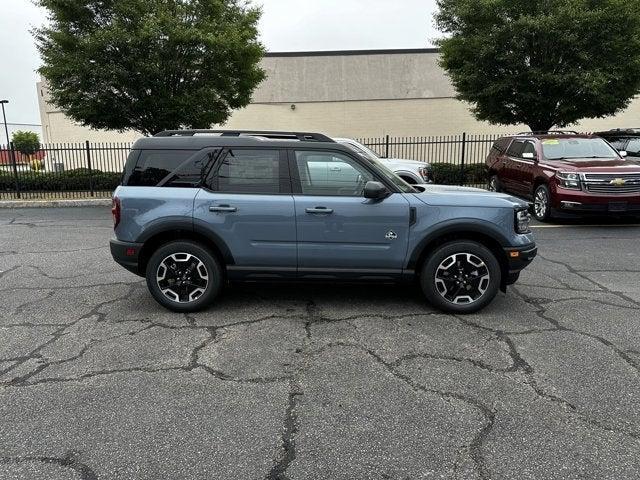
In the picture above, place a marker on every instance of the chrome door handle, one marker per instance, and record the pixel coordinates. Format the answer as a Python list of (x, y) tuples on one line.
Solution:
[(324, 210), (222, 209)]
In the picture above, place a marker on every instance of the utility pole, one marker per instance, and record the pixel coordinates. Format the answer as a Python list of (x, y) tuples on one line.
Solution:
[(10, 148)]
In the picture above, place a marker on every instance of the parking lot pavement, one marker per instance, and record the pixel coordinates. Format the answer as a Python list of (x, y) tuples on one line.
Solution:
[(307, 382)]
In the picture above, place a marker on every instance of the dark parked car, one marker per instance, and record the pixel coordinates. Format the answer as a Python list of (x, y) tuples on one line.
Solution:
[(196, 209), (624, 139), (564, 171)]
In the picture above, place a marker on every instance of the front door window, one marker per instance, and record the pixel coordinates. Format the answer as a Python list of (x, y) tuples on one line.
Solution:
[(331, 174)]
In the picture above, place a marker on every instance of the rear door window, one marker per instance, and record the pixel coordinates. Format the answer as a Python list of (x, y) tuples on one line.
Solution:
[(257, 171), (515, 150)]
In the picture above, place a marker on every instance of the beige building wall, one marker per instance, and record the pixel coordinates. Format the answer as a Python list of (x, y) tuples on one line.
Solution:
[(350, 94)]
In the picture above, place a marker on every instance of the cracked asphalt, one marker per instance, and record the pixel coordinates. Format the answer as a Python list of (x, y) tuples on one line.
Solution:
[(97, 381)]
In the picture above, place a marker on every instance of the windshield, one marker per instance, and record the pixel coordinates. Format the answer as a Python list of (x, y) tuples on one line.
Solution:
[(577, 148)]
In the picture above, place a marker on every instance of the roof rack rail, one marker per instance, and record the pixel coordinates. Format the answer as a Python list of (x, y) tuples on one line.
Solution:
[(630, 129), (302, 136), (550, 132)]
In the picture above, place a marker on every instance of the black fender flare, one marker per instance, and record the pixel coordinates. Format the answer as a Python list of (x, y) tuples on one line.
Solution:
[(460, 227), (197, 228)]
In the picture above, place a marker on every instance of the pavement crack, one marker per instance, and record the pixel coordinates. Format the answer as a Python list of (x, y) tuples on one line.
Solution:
[(9, 270), (598, 285), (290, 430), (80, 378), (541, 311), (70, 460), (477, 443), (476, 363)]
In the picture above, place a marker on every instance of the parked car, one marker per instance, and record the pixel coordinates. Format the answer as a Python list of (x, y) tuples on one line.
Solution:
[(411, 171), (198, 208), (564, 171), (624, 139)]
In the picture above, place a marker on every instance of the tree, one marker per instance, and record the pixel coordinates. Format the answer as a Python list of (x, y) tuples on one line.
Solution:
[(150, 65), (543, 63), (26, 143)]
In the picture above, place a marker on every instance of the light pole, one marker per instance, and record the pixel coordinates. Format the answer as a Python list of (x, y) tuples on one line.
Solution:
[(10, 148), (4, 117)]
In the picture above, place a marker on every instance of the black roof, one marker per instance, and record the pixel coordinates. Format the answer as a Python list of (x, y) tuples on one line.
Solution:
[(199, 139)]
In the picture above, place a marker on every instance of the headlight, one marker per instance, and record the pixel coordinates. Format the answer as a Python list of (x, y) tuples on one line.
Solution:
[(424, 173), (523, 219), (569, 180)]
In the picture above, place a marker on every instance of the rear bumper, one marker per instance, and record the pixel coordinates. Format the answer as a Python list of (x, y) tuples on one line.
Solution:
[(126, 254)]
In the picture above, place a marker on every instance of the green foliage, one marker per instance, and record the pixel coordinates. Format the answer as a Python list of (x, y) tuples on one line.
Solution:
[(543, 63), (71, 180), (150, 65), (26, 143), (450, 173)]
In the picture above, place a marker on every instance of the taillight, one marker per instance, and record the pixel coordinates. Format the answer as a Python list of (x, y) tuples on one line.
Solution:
[(115, 211)]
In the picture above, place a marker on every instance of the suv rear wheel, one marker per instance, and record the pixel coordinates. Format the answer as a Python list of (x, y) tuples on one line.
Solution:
[(542, 203), (183, 276), (461, 277)]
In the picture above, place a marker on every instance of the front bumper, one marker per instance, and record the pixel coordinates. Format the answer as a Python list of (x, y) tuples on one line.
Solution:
[(126, 254), (518, 258), (579, 201)]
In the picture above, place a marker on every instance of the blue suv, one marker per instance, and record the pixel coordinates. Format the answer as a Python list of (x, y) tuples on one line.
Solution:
[(198, 208)]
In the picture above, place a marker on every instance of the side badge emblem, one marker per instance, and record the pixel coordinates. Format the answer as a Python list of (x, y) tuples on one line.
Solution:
[(391, 235)]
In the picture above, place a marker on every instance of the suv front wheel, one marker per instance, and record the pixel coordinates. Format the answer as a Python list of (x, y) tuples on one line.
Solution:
[(183, 276), (542, 203), (461, 277)]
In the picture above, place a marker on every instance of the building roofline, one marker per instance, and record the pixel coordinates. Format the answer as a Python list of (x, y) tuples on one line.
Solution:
[(337, 53)]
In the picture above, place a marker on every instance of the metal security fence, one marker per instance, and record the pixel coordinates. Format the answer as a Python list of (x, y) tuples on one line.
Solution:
[(456, 159), (62, 170), (89, 169)]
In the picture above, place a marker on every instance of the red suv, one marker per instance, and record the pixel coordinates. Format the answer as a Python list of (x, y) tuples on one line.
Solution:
[(564, 171)]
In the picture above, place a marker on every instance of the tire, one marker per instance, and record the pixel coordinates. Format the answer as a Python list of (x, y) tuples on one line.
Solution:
[(197, 282), (542, 203), (494, 184), (445, 262)]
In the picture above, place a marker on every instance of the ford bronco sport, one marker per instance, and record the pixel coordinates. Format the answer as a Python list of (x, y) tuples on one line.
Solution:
[(198, 208), (565, 171)]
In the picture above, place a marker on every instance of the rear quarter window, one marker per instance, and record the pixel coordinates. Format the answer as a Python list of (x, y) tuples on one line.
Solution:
[(152, 166), (499, 147)]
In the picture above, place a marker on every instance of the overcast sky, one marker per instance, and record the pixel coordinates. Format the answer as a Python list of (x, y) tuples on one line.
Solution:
[(286, 25)]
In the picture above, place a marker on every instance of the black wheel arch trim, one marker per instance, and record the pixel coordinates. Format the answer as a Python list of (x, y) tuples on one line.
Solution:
[(459, 227), (194, 226)]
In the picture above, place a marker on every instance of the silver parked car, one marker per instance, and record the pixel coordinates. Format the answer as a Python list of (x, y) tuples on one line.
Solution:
[(411, 171)]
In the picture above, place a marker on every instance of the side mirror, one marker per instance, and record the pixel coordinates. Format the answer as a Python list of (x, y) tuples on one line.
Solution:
[(530, 156), (623, 153), (375, 191)]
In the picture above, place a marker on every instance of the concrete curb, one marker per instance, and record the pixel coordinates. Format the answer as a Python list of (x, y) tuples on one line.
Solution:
[(81, 202)]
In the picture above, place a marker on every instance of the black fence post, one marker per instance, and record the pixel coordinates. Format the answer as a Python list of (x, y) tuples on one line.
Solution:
[(462, 158), (15, 169), (89, 168), (386, 148)]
